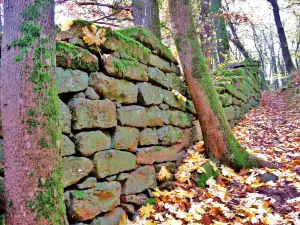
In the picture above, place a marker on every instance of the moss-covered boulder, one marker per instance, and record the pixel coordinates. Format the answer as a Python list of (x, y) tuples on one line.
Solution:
[(229, 111), (162, 64), (179, 118), (112, 162), (122, 68), (73, 57), (87, 143), (150, 155), (140, 180), (74, 169), (92, 113), (120, 90)]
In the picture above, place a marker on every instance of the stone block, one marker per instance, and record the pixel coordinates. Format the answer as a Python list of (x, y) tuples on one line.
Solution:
[(87, 143), (229, 111), (121, 91), (169, 135), (133, 116), (126, 138), (149, 94), (148, 136), (173, 101), (68, 147), (112, 162), (92, 113), (140, 180), (74, 169), (150, 155), (69, 81), (156, 116), (66, 117)]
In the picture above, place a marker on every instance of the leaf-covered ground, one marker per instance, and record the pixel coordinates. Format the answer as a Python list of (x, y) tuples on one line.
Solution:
[(252, 197)]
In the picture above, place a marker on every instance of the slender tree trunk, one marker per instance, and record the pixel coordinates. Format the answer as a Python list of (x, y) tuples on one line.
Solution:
[(30, 115), (220, 143), (282, 38), (206, 34), (146, 14), (221, 32), (236, 41)]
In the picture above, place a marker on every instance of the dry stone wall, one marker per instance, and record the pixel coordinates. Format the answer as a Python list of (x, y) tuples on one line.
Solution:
[(122, 122)]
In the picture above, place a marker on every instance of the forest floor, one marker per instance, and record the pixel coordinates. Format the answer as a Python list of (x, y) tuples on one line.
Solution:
[(251, 197)]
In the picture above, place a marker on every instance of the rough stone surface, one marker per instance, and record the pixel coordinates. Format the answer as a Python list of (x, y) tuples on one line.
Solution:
[(71, 80), (133, 116), (92, 113), (180, 119), (74, 169), (149, 94), (149, 155), (122, 68), (111, 218), (123, 176), (158, 77), (170, 166), (162, 64), (169, 135), (104, 197), (175, 83), (126, 138), (138, 199), (65, 117), (87, 143), (68, 147), (121, 91), (111, 162), (91, 94), (72, 57), (87, 183), (156, 116), (148, 136), (140, 180), (190, 107), (129, 208), (229, 111), (171, 100)]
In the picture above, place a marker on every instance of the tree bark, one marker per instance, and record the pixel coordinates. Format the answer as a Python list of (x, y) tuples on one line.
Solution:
[(30, 115), (221, 32), (220, 143), (282, 38), (146, 13), (206, 32)]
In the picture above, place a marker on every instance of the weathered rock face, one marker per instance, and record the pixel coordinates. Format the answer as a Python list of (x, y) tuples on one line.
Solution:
[(92, 113), (74, 169), (169, 135), (140, 180), (85, 205), (149, 94), (120, 90), (126, 138), (133, 116), (71, 80), (112, 218), (156, 116), (111, 162), (68, 147), (148, 136), (149, 155), (65, 117), (87, 143)]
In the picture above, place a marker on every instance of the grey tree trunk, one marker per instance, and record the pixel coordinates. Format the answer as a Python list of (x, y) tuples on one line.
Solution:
[(221, 32), (30, 115), (146, 13), (282, 38)]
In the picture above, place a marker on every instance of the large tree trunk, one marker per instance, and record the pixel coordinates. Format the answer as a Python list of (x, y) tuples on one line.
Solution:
[(221, 32), (282, 38), (146, 13), (30, 115), (220, 143)]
